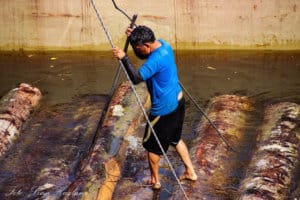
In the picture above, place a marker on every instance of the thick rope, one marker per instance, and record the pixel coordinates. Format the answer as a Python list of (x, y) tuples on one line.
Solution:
[(139, 100), (189, 95), (205, 115)]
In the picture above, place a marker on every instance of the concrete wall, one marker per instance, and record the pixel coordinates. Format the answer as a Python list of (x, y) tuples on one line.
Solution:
[(187, 24)]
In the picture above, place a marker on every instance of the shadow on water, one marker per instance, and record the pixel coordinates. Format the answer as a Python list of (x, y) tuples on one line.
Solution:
[(266, 77)]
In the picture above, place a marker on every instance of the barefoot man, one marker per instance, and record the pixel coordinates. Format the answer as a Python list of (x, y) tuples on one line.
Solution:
[(167, 102)]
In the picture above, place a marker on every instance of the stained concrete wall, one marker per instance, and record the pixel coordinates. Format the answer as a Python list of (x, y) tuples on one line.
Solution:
[(186, 24)]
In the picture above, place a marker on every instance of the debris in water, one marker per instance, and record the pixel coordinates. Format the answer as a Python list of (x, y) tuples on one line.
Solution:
[(211, 68)]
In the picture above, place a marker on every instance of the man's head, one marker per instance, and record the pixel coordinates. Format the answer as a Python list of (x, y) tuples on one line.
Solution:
[(140, 39)]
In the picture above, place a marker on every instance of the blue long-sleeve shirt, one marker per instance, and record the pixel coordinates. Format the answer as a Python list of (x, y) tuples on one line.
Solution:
[(160, 73)]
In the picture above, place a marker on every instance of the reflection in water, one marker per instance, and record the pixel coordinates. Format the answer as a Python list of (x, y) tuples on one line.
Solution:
[(266, 77)]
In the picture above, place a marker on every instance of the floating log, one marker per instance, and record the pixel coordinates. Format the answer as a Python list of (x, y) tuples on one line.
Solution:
[(15, 108), (101, 169), (275, 160), (51, 146), (214, 162)]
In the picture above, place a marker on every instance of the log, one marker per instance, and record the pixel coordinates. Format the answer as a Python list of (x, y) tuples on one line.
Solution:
[(214, 162), (274, 164), (52, 143), (15, 109), (100, 171)]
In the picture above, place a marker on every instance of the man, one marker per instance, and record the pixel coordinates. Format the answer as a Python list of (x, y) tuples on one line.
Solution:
[(168, 104)]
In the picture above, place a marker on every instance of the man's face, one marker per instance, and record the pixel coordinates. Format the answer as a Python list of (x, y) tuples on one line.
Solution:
[(142, 51)]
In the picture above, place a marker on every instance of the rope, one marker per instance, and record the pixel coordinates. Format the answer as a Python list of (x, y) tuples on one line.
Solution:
[(189, 95), (205, 115), (118, 72), (139, 100)]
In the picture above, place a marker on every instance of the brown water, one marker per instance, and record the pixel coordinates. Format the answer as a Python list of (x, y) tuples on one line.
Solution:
[(267, 77), (271, 76)]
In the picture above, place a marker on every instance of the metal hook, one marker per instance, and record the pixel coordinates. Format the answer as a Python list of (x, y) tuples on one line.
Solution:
[(122, 11)]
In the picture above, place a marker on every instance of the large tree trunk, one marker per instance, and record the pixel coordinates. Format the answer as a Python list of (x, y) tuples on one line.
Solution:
[(101, 169), (275, 160), (15, 108), (214, 162)]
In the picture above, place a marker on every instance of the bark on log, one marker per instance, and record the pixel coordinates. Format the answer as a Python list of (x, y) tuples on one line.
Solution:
[(48, 152), (214, 162), (15, 108), (273, 166), (100, 171)]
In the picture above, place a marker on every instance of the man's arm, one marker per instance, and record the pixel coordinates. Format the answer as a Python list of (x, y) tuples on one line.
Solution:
[(134, 75), (132, 72)]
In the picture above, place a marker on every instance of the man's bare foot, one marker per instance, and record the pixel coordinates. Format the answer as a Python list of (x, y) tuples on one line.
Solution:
[(155, 185), (186, 176)]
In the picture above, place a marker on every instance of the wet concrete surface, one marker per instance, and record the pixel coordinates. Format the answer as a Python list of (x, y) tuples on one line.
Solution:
[(266, 77)]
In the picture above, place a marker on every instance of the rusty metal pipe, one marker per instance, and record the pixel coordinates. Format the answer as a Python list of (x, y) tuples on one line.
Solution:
[(118, 72), (122, 11)]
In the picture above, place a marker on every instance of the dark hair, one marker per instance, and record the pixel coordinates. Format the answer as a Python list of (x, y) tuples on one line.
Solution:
[(140, 35)]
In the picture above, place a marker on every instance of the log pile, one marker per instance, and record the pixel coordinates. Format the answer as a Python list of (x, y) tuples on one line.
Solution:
[(97, 174)]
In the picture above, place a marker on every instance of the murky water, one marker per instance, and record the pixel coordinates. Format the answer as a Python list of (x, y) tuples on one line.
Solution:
[(266, 77), (271, 76), (60, 76)]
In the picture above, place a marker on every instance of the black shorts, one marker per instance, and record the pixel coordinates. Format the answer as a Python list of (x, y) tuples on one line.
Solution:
[(168, 129)]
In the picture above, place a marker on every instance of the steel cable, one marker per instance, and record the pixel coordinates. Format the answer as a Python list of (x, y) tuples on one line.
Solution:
[(189, 95), (138, 99)]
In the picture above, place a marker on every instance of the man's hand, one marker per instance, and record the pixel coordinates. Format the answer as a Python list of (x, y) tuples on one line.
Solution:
[(128, 31), (118, 53)]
